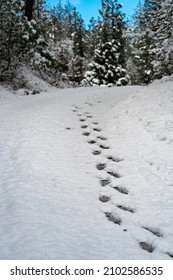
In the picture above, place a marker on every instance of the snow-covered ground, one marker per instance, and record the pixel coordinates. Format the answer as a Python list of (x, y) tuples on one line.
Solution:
[(87, 173)]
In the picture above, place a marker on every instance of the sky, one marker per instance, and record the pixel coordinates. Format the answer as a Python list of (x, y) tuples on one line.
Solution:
[(89, 8)]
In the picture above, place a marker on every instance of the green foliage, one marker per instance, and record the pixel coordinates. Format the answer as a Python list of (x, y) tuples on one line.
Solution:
[(152, 51), (57, 44), (12, 44), (108, 64)]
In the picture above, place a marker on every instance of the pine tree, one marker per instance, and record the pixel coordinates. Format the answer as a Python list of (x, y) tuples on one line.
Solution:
[(57, 15), (68, 19), (93, 36), (76, 65), (38, 9), (152, 41), (143, 43), (164, 38), (109, 58), (12, 44)]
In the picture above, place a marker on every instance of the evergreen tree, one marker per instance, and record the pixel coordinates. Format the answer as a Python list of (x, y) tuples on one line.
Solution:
[(152, 41), (109, 58), (57, 14), (163, 37), (76, 65), (93, 36), (143, 43), (56, 43), (12, 44), (78, 34), (38, 9), (68, 10)]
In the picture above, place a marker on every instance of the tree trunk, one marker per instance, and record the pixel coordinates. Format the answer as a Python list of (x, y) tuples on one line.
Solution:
[(29, 9)]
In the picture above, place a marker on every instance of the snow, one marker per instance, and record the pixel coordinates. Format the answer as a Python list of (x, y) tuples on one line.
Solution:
[(87, 173), (31, 81)]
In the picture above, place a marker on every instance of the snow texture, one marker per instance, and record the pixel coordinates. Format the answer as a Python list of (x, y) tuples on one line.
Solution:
[(87, 173), (31, 81)]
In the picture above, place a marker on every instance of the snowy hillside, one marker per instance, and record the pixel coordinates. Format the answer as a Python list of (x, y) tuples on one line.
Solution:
[(87, 173)]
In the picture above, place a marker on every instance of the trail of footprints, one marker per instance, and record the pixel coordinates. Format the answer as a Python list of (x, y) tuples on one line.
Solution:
[(88, 125)]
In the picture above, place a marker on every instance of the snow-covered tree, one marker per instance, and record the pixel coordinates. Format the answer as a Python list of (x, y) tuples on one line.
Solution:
[(93, 36), (143, 44), (76, 65), (39, 9), (12, 44), (68, 19), (22, 40), (152, 41), (107, 67), (164, 38)]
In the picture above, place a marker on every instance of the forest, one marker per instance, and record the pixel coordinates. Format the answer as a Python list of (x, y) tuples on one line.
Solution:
[(55, 43)]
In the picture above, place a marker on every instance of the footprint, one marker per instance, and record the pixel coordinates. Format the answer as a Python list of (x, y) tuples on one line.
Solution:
[(102, 138), (114, 174), (101, 166), (121, 190), (96, 152), (89, 104), (125, 208), (113, 218), (146, 246), (104, 198), (97, 129), (162, 138), (104, 147), (82, 120), (115, 159), (67, 128), (89, 116), (75, 108), (84, 126), (170, 255), (104, 182), (96, 123), (78, 108), (154, 231), (91, 142), (86, 134)]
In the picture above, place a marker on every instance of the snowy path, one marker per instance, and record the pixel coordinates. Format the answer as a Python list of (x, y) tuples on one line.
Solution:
[(86, 174)]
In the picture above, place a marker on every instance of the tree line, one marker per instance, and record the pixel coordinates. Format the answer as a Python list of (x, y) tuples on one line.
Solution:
[(55, 42)]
